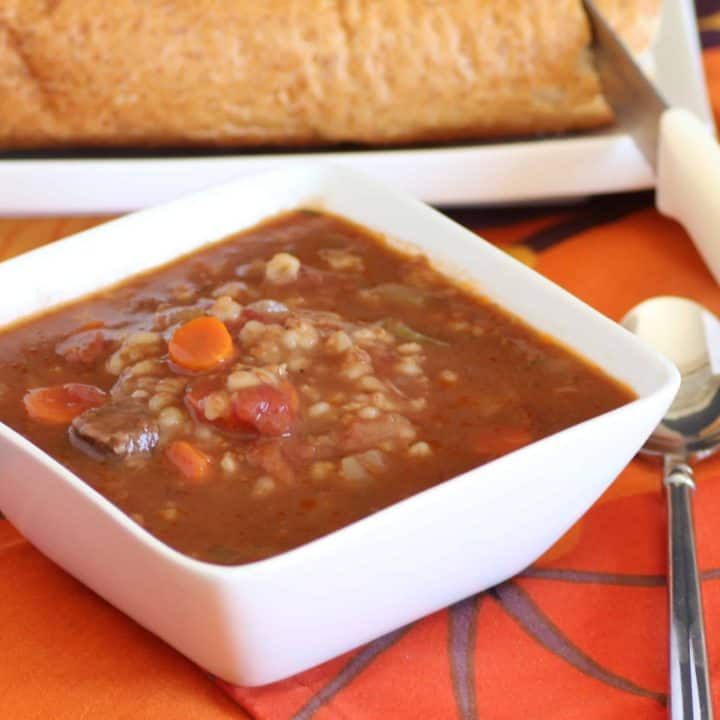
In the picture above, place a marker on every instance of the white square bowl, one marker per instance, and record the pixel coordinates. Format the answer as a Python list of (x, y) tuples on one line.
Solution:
[(260, 622)]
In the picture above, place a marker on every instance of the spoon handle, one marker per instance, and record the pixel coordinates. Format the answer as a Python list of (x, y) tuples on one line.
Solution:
[(689, 681)]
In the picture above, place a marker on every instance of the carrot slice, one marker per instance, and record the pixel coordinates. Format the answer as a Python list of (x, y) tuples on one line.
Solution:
[(59, 404), (193, 463), (201, 344)]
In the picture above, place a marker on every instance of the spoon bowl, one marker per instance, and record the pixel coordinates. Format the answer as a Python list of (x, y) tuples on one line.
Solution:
[(689, 336)]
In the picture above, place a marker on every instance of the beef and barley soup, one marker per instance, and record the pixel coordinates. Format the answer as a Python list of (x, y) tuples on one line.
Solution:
[(283, 383)]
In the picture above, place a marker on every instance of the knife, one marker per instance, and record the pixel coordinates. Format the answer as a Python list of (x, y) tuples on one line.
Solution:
[(684, 156)]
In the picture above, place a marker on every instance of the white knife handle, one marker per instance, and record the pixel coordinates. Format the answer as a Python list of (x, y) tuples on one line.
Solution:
[(688, 181)]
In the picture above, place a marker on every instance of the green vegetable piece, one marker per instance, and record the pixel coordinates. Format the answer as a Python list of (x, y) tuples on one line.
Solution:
[(404, 332), (400, 294)]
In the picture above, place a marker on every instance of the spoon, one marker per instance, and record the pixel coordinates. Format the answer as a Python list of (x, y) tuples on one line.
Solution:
[(689, 336)]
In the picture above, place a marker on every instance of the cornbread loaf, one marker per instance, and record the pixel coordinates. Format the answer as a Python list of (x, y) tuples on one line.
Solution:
[(242, 73)]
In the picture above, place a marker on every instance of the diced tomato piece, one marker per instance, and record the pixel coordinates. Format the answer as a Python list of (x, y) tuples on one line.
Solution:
[(269, 410), (85, 347), (262, 409), (192, 462), (59, 404)]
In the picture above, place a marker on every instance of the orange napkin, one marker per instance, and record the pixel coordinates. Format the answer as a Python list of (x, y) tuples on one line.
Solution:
[(580, 634)]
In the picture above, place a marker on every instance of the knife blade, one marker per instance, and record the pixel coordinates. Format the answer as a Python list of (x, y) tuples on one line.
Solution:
[(635, 101), (682, 153)]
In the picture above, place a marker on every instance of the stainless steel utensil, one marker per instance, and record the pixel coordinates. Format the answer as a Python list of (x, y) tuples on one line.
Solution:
[(688, 335), (683, 154)]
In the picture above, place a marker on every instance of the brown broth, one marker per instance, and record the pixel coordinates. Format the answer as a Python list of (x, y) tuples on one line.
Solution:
[(467, 380)]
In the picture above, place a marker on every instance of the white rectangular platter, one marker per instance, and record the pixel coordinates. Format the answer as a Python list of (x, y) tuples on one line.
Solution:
[(508, 172)]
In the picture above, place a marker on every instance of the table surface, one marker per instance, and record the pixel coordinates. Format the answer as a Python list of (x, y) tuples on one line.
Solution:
[(116, 669)]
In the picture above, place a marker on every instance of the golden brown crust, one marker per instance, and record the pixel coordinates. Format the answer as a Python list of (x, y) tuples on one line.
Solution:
[(637, 21), (299, 72)]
